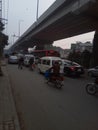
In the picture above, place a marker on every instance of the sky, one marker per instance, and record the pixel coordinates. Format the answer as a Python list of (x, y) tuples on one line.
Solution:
[(66, 43), (21, 14)]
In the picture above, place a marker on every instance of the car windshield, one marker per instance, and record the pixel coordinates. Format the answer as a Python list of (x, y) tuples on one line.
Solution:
[(13, 57), (70, 63), (74, 63), (29, 56)]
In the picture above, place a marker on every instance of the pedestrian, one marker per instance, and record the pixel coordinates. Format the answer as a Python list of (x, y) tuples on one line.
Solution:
[(31, 62), (20, 63)]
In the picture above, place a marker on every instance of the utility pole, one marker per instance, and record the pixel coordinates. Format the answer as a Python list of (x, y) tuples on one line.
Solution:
[(19, 26), (14, 37), (0, 9), (37, 10)]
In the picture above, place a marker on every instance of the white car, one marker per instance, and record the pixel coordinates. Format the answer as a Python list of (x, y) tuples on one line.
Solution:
[(13, 59)]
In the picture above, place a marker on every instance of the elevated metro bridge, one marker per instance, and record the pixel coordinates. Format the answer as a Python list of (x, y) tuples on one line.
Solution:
[(63, 19)]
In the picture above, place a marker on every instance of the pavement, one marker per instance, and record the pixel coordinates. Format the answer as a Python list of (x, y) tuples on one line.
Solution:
[(8, 113)]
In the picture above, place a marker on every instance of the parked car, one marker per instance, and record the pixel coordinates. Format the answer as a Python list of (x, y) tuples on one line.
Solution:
[(72, 68), (13, 59), (93, 72), (27, 58)]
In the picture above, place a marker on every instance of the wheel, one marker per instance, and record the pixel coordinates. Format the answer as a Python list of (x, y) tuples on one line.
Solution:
[(91, 88), (90, 74), (58, 84), (66, 73)]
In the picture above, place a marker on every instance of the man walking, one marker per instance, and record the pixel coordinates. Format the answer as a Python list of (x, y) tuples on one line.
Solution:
[(20, 63)]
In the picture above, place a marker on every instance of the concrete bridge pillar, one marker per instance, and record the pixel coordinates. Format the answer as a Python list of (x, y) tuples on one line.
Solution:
[(95, 50)]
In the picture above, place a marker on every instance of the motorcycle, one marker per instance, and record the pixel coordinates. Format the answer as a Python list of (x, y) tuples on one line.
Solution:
[(92, 88), (57, 81)]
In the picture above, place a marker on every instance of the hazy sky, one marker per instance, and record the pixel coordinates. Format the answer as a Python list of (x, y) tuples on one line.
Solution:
[(66, 43), (23, 13)]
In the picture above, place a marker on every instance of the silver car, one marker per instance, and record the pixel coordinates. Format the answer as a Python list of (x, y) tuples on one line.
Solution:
[(13, 59), (93, 72)]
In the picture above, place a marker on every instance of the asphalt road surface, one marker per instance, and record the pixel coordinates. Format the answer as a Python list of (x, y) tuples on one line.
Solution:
[(43, 107)]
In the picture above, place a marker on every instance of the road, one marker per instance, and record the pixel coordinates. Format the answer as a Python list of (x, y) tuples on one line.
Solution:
[(43, 107)]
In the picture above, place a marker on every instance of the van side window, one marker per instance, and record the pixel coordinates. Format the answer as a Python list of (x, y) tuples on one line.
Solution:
[(60, 62), (48, 62), (53, 62), (44, 61)]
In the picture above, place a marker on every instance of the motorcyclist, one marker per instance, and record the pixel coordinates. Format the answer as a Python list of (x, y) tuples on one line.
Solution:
[(55, 69), (20, 63)]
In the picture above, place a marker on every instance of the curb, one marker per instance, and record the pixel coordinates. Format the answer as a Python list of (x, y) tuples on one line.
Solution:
[(15, 119)]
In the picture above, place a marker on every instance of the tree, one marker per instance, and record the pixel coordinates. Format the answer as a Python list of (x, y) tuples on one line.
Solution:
[(85, 58), (95, 50), (3, 42), (74, 56), (1, 26)]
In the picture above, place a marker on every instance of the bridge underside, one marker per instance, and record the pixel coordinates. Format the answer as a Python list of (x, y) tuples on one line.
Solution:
[(39, 43), (70, 25), (74, 23), (79, 21)]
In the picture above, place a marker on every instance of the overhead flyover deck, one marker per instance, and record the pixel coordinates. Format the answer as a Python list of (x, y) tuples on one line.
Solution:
[(63, 19)]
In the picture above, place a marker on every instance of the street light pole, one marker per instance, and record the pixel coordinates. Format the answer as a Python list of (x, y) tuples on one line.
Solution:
[(14, 37), (19, 27), (37, 10)]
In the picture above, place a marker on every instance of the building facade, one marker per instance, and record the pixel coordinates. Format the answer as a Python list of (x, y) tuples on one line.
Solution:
[(79, 46)]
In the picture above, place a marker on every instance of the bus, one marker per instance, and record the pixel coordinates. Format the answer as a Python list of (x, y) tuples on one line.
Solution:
[(42, 53)]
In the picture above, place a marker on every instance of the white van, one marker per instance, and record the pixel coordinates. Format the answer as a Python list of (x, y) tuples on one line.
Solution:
[(46, 62), (27, 58)]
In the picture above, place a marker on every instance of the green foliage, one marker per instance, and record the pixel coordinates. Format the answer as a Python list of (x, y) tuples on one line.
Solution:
[(95, 50), (3, 38), (1, 26), (83, 58), (74, 56)]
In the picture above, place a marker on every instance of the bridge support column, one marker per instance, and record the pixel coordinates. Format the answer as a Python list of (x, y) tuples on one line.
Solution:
[(95, 50)]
